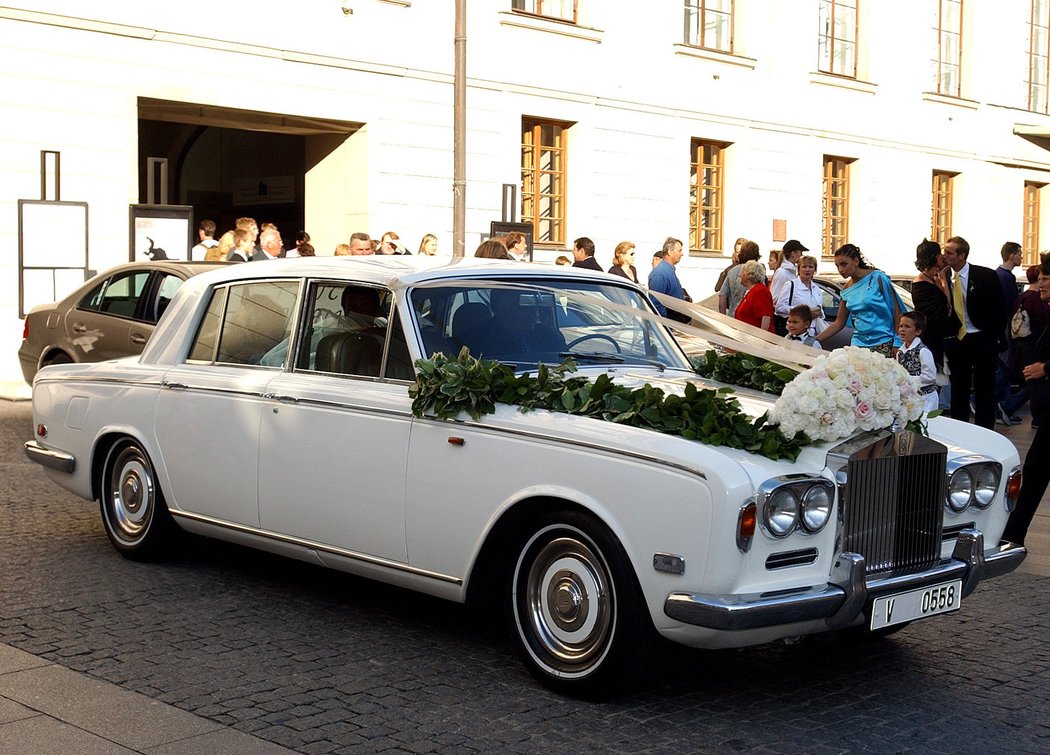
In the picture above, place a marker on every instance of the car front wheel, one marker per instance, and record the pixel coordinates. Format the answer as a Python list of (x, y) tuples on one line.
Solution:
[(134, 513), (577, 609)]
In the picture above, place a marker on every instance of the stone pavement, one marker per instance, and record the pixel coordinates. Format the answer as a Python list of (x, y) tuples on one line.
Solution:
[(47, 708)]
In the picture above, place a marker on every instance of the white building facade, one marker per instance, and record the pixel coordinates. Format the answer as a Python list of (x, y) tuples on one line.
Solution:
[(878, 122)]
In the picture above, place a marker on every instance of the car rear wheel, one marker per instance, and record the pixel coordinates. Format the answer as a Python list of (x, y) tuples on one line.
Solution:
[(576, 608), (59, 358), (134, 513)]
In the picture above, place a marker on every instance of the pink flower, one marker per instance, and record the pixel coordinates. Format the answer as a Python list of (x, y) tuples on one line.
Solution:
[(864, 410)]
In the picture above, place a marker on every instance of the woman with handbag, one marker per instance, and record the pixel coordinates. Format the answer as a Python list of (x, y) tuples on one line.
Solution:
[(1035, 475)]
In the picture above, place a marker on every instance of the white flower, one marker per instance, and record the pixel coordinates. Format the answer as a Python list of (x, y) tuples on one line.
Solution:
[(845, 391)]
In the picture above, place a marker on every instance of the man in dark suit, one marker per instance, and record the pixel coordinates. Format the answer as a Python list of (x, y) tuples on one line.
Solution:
[(1035, 475), (583, 251), (973, 332), (270, 246)]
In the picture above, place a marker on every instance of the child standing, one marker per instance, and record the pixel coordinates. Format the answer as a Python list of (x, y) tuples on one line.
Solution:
[(798, 321), (916, 358)]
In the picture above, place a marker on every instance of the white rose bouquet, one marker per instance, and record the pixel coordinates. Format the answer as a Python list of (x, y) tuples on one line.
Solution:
[(848, 390)]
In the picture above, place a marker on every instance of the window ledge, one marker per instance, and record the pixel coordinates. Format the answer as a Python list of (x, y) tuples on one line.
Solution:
[(691, 51), (402, 3), (946, 99), (697, 254), (551, 26), (842, 82)]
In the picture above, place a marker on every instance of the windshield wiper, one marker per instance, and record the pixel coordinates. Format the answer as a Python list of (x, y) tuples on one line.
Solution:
[(602, 357), (605, 357)]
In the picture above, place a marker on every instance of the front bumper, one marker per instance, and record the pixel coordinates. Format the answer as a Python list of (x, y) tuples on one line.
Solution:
[(49, 457), (841, 601)]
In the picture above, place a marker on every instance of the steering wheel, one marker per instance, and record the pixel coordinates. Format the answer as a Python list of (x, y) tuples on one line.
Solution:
[(590, 336)]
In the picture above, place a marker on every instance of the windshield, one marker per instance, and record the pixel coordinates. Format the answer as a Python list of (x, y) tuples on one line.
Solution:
[(524, 322)]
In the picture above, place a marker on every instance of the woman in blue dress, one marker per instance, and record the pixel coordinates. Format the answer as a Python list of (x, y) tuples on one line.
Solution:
[(870, 300)]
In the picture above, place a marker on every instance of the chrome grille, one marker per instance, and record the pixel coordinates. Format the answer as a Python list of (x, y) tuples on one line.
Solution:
[(892, 494)]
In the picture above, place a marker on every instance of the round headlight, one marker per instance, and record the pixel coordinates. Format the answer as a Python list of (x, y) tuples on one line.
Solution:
[(781, 512), (960, 490), (986, 485), (815, 509)]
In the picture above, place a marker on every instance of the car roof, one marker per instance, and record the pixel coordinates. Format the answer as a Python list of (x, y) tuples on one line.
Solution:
[(398, 271)]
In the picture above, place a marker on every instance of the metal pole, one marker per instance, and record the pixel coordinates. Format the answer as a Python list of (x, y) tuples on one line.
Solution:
[(459, 133)]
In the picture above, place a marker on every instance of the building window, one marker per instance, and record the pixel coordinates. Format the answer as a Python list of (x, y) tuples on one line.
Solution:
[(543, 179), (709, 23), (837, 42), (1030, 241), (706, 194), (941, 226), (1038, 55), (836, 203), (562, 10), (948, 63)]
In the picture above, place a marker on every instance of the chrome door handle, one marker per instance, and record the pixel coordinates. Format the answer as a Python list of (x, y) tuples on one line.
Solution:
[(139, 338), (79, 327)]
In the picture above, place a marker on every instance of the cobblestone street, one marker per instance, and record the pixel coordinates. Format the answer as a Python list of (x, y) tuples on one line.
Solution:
[(321, 662)]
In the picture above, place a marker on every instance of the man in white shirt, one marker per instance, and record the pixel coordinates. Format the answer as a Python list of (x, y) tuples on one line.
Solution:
[(782, 277), (206, 233)]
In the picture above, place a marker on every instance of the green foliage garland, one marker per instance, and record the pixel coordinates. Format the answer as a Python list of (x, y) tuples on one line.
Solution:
[(745, 371), (447, 386)]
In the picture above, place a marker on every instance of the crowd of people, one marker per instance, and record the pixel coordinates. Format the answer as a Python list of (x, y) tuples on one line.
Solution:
[(248, 241)]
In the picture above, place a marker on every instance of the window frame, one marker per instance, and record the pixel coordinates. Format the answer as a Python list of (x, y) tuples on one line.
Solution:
[(537, 10), (699, 7), (218, 308), (833, 6), (831, 241), (698, 171), (1030, 221), (1040, 57), (532, 175), (393, 339), (940, 62), (942, 201), (136, 294)]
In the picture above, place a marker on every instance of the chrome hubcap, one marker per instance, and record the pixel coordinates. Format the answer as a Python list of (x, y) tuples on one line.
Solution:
[(132, 494), (568, 605)]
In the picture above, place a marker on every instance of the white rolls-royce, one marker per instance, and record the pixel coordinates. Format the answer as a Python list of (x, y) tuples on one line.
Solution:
[(272, 408)]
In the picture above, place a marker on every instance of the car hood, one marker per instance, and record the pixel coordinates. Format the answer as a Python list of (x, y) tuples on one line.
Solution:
[(960, 438)]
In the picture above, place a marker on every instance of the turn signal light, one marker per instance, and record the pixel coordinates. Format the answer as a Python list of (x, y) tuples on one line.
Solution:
[(1013, 488), (41, 431), (747, 521)]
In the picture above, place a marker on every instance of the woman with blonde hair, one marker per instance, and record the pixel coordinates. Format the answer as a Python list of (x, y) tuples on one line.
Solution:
[(623, 261), (220, 252), (429, 245)]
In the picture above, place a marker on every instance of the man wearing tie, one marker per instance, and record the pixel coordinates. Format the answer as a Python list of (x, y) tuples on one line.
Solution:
[(973, 333)]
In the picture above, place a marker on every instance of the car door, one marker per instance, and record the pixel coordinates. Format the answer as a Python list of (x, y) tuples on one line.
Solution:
[(99, 326), (210, 409), (334, 436)]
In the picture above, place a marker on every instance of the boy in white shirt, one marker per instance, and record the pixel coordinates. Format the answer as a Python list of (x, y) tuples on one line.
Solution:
[(916, 358), (798, 321)]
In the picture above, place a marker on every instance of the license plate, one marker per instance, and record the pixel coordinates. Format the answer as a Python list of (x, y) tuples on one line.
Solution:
[(916, 604)]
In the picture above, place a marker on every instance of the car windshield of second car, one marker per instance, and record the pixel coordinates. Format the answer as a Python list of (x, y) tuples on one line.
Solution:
[(524, 322)]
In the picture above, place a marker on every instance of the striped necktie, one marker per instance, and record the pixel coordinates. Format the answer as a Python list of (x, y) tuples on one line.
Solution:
[(959, 304)]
